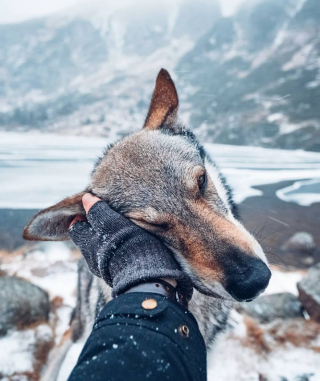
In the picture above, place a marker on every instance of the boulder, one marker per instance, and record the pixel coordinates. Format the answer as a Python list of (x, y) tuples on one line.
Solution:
[(309, 292), (276, 306), (301, 242), (21, 304)]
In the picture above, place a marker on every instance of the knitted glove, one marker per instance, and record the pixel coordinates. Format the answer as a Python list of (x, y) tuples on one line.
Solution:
[(122, 253)]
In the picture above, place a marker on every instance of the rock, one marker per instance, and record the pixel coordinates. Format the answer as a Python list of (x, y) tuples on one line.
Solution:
[(21, 304), (301, 242), (276, 306), (300, 249), (309, 292)]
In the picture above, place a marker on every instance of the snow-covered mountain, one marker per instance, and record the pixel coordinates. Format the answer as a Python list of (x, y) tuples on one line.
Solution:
[(91, 70), (253, 78)]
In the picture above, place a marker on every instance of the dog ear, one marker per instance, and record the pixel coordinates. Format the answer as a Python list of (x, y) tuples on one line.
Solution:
[(52, 224), (164, 103)]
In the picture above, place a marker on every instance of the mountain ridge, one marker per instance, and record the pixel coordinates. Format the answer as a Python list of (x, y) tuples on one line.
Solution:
[(239, 78)]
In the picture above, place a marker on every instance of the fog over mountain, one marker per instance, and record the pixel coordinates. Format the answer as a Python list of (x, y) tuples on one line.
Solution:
[(253, 78)]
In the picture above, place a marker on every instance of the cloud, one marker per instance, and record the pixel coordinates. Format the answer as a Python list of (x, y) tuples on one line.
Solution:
[(228, 7), (13, 11)]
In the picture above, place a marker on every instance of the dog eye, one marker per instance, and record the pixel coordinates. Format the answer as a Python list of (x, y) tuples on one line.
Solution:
[(202, 181)]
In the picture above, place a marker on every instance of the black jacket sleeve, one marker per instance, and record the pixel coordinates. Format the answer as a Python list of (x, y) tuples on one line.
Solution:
[(130, 342)]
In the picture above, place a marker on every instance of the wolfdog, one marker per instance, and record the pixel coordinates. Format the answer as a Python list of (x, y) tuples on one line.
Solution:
[(164, 181)]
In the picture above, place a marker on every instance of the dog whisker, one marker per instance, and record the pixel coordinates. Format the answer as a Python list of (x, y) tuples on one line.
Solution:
[(277, 264), (261, 240)]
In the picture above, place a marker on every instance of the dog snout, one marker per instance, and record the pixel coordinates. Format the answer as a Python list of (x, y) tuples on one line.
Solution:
[(248, 279)]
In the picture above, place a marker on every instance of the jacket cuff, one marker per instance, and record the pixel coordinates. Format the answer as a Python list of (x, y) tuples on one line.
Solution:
[(126, 279)]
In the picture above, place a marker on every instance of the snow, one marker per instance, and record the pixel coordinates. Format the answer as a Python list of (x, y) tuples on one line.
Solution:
[(17, 349), (275, 117), (301, 192), (16, 352), (284, 282), (63, 315), (247, 167), (50, 266), (51, 167), (299, 58), (70, 361), (230, 360), (44, 333)]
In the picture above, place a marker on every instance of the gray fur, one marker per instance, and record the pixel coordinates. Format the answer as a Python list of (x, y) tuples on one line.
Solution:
[(151, 177), (140, 184)]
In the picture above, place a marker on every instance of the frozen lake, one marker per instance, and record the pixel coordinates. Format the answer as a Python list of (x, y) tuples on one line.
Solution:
[(39, 170)]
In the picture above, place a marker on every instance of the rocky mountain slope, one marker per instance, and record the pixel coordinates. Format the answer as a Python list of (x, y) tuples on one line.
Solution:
[(257, 76), (253, 78)]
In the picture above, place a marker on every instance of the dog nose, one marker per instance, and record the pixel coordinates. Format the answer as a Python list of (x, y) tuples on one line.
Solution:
[(249, 280)]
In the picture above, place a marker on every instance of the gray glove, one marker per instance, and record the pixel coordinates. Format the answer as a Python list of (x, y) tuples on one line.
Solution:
[(122, 253)]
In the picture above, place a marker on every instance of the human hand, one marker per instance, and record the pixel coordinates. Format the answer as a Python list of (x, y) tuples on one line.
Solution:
[(119, 251)]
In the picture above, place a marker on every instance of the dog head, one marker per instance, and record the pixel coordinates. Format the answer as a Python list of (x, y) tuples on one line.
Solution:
[(162, 179)]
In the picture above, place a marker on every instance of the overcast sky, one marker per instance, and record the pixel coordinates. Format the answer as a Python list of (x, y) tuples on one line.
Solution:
[(20, 10)]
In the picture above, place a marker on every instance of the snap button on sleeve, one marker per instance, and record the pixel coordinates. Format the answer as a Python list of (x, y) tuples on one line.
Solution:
[(184, 331), (149, 304)]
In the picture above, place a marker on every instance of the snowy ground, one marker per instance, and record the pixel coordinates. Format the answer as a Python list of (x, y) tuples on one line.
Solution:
[(37, 171), (232, 361), (17, 350), (52, 266)]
